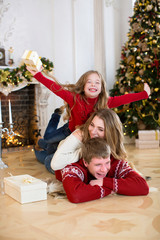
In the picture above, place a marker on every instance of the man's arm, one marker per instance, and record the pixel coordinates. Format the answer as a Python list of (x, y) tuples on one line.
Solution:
[(126, 181), (77, 191)]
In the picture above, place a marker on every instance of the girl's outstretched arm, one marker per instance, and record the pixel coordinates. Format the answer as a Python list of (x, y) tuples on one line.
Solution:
[(117, 101), (54, 86)]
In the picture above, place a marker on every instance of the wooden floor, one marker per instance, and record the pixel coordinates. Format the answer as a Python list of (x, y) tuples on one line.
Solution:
[(113, 217)]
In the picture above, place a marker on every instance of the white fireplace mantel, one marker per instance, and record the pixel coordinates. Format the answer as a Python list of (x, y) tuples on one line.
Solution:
[(11, 88), (41, 100)]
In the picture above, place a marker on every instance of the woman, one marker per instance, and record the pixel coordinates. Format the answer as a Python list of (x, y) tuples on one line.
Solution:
[(104, 123)]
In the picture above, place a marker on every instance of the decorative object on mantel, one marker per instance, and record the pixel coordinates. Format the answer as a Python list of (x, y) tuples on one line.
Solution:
[(147, 139), (2, 57), (17, 78), (11, 61)]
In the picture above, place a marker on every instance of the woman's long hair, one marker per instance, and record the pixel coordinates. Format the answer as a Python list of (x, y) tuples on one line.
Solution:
[(113, 132)]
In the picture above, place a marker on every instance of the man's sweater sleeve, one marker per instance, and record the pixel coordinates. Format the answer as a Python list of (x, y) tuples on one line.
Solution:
[(126, 99), (76, 190), (126, 181)]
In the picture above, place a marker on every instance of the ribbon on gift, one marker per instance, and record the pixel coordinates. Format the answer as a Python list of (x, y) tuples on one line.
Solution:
[(28, 54), (38, 60), (28, 180), (156, 132)]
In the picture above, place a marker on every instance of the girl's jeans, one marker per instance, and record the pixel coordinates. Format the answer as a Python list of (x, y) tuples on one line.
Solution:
[(49, 143)]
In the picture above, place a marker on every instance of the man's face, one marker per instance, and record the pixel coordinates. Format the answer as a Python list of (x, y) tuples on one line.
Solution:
[(99, 167)]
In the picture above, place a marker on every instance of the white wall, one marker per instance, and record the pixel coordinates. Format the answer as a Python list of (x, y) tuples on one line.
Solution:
[(73, 38), (63, 40), (116, 27), (27, 24), (83, 36), (63, 31)]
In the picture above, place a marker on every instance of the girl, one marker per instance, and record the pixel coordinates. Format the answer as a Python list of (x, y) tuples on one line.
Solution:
[(87, 95)]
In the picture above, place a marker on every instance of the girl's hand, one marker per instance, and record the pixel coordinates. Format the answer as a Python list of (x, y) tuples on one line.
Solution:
[(98, 182), (33, 72), (147, 88)]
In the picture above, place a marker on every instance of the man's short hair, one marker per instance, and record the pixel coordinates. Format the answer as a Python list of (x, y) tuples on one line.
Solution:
[(95, 147)]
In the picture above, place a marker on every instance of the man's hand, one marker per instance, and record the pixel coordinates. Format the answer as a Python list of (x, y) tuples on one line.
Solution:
[(147, 88), (98, 182)]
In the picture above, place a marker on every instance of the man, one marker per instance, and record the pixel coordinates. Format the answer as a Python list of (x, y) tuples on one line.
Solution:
[(98, 174)]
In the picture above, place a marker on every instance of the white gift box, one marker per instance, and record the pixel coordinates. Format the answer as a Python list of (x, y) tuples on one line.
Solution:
[(25, 188), (146, 144), (32, 60), (148, 135)]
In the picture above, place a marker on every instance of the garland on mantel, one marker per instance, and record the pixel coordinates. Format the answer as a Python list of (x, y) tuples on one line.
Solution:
[(20, 74)]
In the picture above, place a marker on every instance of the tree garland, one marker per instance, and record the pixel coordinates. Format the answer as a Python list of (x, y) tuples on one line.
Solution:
[(20, 74)]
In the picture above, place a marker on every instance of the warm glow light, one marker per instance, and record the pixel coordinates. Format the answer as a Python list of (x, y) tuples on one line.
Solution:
[(13, 140)]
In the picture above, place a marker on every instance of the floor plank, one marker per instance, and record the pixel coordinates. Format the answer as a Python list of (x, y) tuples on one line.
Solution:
[(114, 217)]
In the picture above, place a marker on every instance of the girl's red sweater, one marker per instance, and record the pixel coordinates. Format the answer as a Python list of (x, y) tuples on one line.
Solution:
[(80, 109)]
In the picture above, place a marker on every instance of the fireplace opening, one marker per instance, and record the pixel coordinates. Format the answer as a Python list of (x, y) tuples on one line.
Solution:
[(24, 117)]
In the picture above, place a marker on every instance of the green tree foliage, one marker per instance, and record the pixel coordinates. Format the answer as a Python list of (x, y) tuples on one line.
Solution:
[(139, 64)]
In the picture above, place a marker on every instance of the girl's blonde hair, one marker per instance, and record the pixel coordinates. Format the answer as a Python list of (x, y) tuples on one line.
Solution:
[(113, 132), (78, 88)]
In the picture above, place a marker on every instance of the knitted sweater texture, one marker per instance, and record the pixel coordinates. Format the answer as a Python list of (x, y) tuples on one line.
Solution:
[(121, 179)]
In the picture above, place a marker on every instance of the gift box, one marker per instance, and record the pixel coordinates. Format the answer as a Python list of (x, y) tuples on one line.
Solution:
[(148, 135), (25, 188), (141, 144), (32, 60)]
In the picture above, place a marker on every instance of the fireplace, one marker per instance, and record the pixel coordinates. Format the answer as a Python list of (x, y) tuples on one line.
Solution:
[(24, 116)]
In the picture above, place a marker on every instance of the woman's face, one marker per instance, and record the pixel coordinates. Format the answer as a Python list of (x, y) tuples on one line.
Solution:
[(96, 128)]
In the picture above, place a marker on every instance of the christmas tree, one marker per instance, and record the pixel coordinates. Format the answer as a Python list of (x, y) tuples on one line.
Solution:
[(139, 64)]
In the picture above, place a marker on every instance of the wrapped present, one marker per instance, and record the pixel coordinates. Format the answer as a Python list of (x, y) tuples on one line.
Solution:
[(141, 144), (32, 60), (25, 188), (148, 135)]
